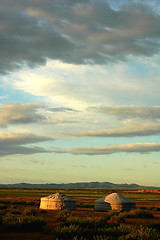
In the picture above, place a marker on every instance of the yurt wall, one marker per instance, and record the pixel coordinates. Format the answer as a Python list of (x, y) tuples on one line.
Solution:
[(58, 201), (114, 201)]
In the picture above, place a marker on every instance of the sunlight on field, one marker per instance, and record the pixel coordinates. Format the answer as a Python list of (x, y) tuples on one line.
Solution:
[(20, 212)]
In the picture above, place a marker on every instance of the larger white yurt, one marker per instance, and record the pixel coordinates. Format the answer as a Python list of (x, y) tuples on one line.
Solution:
[(58, 201), (114, 201)]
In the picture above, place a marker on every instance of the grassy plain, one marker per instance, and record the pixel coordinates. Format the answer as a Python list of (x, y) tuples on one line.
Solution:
[(21, 218)]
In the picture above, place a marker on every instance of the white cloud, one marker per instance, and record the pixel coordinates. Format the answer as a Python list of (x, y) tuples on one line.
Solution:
[(68, 85)]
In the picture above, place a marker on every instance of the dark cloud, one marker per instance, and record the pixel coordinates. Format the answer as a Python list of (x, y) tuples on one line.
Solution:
[(13, 144), (21, 150), (62, 109), (110, 149), (3, 126), (76, 32)]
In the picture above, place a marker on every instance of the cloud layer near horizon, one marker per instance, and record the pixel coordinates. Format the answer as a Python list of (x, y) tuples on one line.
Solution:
[(78, 32)]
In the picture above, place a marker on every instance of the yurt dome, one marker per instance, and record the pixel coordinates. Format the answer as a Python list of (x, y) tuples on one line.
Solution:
[(114, 201), (58, 201)]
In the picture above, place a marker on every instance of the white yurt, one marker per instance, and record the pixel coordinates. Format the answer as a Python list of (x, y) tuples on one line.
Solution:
[(58, 201), (114, 201)]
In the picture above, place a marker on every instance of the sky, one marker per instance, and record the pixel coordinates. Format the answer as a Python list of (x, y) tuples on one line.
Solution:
[(79, 91)]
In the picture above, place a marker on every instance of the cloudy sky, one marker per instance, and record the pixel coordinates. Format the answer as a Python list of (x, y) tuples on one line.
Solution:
[(79, 91)]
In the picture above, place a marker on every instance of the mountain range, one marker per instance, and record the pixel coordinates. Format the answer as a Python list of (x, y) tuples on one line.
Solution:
[(79, 185)]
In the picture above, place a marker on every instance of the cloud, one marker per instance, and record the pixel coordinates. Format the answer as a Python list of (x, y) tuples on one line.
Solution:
[(21, 138), (75, 87), (127, 131), (18, 113), (79, 167), (79, 32), (145, 112), (3, 126), (35, 161), (19, 143), (62, 109), (129, 169), (60, 120), (111, 149)]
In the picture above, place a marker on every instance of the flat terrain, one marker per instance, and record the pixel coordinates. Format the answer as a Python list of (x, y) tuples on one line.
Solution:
[(20, 202)]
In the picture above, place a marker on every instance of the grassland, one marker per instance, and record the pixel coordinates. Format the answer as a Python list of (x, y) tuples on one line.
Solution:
[(21, 218), (75, 193)]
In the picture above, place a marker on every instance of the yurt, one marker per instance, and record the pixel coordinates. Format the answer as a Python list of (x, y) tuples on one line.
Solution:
[(114, 201), (58, 201)]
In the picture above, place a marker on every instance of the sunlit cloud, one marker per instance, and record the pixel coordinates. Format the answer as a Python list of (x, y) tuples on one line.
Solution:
[(16, 113), (27, 113), (127, 131), (111, 149), (60, 120)]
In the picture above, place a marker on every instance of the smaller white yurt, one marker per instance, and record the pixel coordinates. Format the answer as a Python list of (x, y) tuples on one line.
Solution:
[(58, 201), (114, 201)]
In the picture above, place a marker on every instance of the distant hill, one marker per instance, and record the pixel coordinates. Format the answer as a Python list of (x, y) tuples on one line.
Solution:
[(80, 185)]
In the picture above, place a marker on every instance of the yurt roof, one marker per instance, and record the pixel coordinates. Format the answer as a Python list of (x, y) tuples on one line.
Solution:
[(117, 198), (58, 196), (114, 198)]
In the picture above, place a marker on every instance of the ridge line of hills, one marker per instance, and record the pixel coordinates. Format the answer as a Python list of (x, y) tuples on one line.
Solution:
[(80, 185)]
